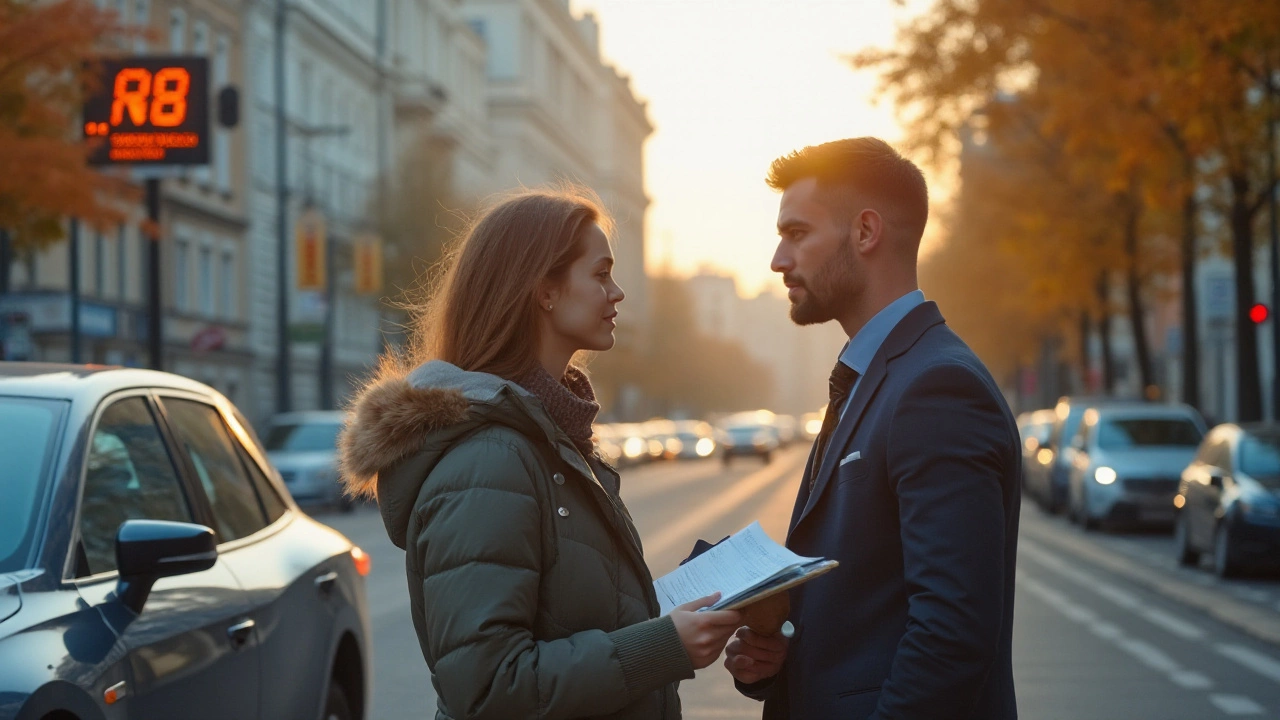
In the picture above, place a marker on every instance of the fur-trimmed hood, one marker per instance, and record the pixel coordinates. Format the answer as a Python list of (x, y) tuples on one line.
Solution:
[(420, 416)]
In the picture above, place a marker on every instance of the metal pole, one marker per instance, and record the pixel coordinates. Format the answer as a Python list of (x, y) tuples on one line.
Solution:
[(1275, 243), (326, 346), (155, 338), (284, 396), (73, 287)]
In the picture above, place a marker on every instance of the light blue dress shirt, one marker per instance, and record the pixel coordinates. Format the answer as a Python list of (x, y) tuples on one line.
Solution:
[(861, 350)]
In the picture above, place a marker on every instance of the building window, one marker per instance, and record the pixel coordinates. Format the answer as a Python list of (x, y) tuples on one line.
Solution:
[(122, 262), (180, 259), (177, 30), (227, 276), (205, 270), (141, 16)]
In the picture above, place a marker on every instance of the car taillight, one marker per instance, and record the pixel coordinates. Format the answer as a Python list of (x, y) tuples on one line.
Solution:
[(362, 560)]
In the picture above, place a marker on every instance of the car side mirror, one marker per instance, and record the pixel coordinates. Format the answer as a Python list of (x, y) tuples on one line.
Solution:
[(147, 550)]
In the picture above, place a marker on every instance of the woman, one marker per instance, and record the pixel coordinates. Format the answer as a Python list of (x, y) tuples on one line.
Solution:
[(528, 587)]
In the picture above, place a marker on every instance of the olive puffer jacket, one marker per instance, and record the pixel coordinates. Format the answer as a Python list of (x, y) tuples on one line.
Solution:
[(528, 586)]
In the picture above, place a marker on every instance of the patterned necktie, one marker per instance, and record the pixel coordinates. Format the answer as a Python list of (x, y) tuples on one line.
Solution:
[(842, 379)]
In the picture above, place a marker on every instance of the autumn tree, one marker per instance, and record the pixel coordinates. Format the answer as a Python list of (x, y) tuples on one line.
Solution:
[(46, 67)]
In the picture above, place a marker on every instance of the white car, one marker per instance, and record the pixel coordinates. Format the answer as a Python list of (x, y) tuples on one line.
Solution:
[(303, 446)]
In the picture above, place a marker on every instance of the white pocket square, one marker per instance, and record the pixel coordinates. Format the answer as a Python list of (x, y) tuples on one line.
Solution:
[(855, 455)]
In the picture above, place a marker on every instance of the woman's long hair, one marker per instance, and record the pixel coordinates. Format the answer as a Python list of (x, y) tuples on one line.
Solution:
[(480, 309)]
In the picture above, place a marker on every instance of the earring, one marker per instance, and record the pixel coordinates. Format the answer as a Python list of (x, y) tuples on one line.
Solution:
[(548, 308)]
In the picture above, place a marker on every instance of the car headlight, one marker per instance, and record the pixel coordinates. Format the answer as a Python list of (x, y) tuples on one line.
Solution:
[(705, 447), (1104, 475), (633, 448)]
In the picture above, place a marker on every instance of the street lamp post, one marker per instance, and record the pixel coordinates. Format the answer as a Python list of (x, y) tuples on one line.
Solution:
[(284, 396), (1275, 239)]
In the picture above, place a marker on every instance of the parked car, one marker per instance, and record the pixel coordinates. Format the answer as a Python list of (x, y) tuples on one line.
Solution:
[(1035, 428), (788, 429), (1046, 481), (697, 439), (750, 433), (153, 566), (1128, 460), (303, 446), (635, 446), (1228, 501), (661, 438)]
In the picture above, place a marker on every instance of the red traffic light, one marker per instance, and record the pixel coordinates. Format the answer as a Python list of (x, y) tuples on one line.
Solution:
[(1259, 313)]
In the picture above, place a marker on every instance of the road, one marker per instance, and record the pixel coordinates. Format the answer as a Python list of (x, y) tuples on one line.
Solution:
[(1106, 625)]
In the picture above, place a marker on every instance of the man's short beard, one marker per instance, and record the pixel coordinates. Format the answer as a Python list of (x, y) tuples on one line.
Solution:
[(831, 288)]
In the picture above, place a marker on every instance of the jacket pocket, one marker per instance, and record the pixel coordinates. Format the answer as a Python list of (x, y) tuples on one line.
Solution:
[(854, 471)]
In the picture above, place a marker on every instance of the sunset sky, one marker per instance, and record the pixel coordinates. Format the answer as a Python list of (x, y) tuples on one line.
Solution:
[(732, 84)]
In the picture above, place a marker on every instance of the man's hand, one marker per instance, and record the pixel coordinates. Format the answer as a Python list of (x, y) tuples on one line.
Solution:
[(751, 657)]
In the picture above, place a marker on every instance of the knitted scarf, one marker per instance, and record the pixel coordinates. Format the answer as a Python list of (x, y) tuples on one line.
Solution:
[(570, 402)]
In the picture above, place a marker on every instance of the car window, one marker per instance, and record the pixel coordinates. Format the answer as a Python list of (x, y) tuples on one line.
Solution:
[(206, 441), (28, 435), (1118, 434), (271, 502), (128, 476), (304, 437)]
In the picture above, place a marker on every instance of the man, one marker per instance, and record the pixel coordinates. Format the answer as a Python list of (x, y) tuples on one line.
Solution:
[(913, 481)]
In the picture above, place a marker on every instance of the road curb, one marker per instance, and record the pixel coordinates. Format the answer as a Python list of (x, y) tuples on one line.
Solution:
[(1257, 622)]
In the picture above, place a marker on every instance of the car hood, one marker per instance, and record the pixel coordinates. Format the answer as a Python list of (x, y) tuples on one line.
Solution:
[(304, 461), (1155, 462)]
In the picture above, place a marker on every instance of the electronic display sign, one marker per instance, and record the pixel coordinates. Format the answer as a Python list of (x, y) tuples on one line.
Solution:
[(151, 110)]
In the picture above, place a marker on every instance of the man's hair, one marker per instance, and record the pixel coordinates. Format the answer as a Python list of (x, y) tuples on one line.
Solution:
[(866, 167)]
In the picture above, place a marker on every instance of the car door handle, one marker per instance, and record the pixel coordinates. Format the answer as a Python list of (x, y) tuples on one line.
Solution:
[(324, 583), (239, 633)]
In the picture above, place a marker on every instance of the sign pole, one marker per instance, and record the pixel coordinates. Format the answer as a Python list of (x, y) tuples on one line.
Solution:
[(155, 343), (73, 286)]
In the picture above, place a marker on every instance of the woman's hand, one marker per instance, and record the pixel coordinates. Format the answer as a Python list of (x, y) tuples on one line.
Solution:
[(704, 634)]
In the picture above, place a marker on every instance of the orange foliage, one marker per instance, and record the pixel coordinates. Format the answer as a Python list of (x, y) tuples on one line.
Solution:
[(46, 51)]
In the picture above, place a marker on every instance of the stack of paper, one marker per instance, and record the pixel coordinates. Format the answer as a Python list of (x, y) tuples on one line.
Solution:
[(746, 567)]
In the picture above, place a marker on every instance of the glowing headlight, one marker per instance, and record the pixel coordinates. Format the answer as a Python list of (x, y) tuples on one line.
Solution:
[(1104, 475), (705, 447), (633, 448), (1045, 456), (674, 446), (813, 427)]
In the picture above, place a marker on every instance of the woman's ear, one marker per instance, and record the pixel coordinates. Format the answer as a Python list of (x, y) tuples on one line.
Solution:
[(547, 296)]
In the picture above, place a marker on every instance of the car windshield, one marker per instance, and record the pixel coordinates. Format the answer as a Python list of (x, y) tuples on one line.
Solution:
[(1260, 459), (303, 437), (28, 433), (1123, 433)]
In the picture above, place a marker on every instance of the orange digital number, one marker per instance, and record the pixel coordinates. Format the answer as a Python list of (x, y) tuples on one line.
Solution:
[(169, 105), (135, 100)]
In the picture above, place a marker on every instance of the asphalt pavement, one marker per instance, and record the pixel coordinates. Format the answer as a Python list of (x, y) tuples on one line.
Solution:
[(1107, 626)]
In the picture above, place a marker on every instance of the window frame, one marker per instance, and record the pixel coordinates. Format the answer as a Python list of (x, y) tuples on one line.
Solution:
[(216, 404), (200, 513)]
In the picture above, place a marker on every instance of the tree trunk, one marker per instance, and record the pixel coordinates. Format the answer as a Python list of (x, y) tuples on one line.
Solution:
[(1248, 384), (1190, 319), (1086, 333), (1104, 334), (1137, 311)]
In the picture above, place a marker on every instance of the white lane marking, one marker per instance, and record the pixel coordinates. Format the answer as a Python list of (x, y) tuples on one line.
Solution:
[(1144, 652), (1191, 680), (1264, 665), (1236, 704), (1149, 655), (1165, 620), (1173, 624)]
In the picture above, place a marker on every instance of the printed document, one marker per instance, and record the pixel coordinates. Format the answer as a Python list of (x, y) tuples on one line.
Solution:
[(747, 564)]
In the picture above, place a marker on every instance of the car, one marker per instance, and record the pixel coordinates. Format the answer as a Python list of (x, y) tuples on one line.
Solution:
[(153, 565), (1127, 463), (811, 424), (631, 439), (661, 438), (303, 446), (788, 429), (607, 444), (749, 433), (697, 439), (1035, 428), (1228, 501), (1046, 481)]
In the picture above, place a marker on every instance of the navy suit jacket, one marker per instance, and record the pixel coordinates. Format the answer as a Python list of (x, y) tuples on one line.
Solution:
[(917, 622)]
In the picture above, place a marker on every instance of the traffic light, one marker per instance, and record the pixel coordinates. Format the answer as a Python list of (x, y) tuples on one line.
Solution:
[(1259, 313)]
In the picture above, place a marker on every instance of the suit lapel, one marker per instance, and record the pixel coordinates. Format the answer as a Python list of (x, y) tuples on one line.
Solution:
[(844, 430), (905, 335)]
